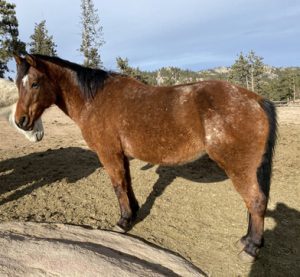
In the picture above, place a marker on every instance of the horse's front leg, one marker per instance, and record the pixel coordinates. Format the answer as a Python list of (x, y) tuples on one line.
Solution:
[(117, 167)]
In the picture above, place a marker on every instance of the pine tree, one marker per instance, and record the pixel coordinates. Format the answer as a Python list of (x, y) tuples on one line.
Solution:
[(9, 35), (240, 71), (247, 71), (123, 66), (136, 73), (92, 35), (41, 42), (256, 71), (286, 85)]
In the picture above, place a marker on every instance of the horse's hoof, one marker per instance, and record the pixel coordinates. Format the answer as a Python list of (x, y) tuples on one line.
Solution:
[(245, 257), (119, 229)]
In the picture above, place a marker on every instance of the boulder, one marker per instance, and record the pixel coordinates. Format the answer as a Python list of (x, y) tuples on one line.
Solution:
[(41, 249)]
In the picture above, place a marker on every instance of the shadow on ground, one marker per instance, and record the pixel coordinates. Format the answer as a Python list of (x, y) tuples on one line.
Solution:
[(27, 173), (203, 170), (281, 254)]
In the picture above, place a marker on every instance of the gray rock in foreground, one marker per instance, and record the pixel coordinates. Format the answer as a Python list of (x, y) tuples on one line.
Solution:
[(38, 249)]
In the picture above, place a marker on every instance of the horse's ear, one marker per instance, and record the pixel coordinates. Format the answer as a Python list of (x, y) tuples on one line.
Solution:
[(31, 60), (18, 59)]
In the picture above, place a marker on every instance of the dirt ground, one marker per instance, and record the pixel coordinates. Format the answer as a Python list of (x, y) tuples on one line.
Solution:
[(192, 209)]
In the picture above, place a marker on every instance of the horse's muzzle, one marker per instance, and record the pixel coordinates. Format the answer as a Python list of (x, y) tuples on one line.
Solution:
[(23, 123)]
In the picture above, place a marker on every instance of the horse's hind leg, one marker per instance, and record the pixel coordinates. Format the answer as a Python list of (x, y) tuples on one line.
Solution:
[(117, 167), (256, 202), (242, 170)]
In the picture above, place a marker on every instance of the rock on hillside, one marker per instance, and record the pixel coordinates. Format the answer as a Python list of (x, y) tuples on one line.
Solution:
[(8, 93), (40, 249)]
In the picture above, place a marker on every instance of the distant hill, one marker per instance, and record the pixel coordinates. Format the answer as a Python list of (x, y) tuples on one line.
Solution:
[(278, 83)]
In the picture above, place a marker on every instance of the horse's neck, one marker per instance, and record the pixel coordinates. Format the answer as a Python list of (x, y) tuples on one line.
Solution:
[(69, 100)]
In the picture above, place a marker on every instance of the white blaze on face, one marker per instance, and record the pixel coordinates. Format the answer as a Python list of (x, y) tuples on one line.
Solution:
[(25, 80)]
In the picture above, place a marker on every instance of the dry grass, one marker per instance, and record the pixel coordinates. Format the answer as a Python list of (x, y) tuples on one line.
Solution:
[(8, 93)]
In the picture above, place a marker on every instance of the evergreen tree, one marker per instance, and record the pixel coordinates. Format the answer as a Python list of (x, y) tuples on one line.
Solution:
[(92, 35), (171, 76), (247, 71), (294, 77), (285, 86), (9, 35), (123, 66), (41, 42), (240, 71), (136, 73), (256, 66)]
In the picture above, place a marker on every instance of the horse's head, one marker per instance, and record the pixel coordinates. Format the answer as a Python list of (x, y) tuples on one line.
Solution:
[(36, 91)]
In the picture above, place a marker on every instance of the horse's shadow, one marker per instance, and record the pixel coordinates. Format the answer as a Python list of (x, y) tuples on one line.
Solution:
[(203, 170), (22, 175), (281, 254)]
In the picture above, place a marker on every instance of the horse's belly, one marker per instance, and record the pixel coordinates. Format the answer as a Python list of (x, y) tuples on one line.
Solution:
[(180, 160), (160, 151)]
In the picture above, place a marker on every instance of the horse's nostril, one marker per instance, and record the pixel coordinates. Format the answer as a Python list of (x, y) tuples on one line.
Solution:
[(23, 121)]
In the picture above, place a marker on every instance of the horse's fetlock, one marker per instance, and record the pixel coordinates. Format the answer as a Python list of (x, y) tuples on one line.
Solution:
[(125, 222), (252, 249)]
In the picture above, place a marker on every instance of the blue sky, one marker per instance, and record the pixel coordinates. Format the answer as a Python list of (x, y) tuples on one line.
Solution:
[(192, 34)]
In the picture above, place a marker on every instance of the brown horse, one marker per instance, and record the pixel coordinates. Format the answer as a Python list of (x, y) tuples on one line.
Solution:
[(120, 117)]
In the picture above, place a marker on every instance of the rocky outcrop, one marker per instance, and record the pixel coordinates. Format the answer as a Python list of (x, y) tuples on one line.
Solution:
[(38, 249)]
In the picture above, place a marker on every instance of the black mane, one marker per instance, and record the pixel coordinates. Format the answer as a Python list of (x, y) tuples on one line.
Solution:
[(90, 80)]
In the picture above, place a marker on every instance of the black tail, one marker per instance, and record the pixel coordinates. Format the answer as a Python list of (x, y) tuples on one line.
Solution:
[(264, 172)]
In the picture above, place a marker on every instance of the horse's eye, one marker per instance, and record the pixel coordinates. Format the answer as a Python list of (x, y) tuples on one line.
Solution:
[(35, 85)]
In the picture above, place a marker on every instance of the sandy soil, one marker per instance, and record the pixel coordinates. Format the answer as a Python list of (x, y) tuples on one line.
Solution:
[(192, 209)]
